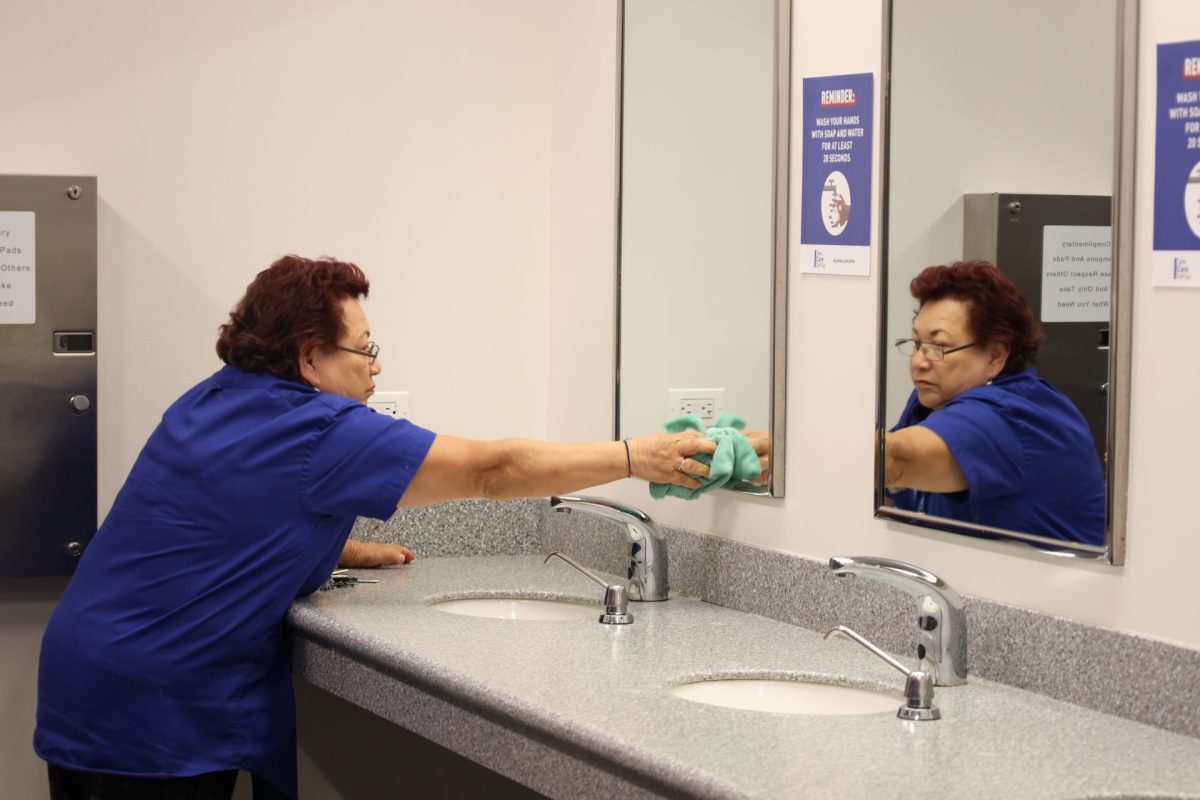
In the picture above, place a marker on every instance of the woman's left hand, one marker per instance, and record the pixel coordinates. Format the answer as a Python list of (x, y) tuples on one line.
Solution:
[(361, 555), (667, 457)]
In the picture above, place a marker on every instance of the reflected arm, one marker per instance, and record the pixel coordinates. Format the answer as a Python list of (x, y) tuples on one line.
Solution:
[(917, 458)]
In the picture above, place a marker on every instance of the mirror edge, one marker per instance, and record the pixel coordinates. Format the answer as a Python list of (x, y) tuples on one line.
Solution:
[(780, 230), (1119, 356)]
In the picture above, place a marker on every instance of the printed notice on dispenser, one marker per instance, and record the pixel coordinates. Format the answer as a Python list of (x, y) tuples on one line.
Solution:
[(17, 268), (1177, 167), (1076, 273)]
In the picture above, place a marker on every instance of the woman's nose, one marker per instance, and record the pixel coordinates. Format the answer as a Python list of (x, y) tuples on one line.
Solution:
[(377, 367)]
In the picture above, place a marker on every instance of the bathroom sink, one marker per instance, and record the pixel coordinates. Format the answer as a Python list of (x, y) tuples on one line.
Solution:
[(782, 696), (522, 608)]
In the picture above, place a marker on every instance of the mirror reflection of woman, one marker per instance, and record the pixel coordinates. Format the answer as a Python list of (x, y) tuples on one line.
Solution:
[(982, 438)]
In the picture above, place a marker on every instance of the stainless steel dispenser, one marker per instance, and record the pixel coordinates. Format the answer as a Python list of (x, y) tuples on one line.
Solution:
[(48, 403), (1013, 231)]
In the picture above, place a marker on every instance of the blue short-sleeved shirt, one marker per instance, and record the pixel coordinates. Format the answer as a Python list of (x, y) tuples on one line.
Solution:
[(1028, 455), (165, 656)]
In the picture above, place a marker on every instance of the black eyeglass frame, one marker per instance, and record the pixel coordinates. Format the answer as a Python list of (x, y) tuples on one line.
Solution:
[(372, 351), (919, 346)]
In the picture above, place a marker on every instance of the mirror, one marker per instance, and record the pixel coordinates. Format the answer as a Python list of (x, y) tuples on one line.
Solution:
[(702, 270), (1008, 139)]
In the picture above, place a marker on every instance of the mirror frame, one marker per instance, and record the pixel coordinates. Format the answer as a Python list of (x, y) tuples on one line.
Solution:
[(780, 156), (1121, 338)]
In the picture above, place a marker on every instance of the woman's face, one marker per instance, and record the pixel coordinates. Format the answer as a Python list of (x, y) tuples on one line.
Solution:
[(946, 322), (337, 371)]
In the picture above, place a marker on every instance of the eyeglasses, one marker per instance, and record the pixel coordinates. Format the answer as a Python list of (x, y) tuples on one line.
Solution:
[(372, 351), (934, 352)]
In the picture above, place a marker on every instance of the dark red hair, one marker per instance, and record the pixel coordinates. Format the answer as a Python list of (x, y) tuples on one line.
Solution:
[(290, 307), (996, 309)]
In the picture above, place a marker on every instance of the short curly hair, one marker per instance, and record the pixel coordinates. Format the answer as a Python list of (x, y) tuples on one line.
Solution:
[(292, 306), (997, 310)]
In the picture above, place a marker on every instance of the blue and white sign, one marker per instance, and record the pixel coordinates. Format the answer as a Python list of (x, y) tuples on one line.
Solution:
[(835, 198), (1177, 167)]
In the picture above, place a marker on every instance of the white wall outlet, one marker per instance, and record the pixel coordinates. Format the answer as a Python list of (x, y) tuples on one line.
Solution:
[(390, 404), (707, 404)]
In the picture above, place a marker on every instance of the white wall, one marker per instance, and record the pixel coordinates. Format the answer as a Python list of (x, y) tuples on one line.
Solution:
[(463, 153)]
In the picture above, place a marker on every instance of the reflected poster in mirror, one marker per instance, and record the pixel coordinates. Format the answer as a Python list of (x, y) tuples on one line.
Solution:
[(1000, 398), (703, 217)]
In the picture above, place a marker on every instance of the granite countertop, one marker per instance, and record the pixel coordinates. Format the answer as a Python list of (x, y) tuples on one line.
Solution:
[(576, 708)]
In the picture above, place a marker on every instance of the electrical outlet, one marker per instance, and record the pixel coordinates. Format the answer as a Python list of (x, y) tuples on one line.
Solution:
[(390, 404), (707, 404)]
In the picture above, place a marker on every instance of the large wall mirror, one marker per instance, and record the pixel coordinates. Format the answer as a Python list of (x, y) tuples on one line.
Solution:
[(703, 217), (1009, 139)]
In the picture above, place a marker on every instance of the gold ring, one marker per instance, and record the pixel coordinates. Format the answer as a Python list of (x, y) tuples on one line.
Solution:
[(680, 467)]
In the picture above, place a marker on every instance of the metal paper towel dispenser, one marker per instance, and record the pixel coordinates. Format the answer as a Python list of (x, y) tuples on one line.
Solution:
[(1058, 250), (48, 403)]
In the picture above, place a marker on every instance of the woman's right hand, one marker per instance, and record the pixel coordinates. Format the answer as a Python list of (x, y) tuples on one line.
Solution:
[(667, 457)]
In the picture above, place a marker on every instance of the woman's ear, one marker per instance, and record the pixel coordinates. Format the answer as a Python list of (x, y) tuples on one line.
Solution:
[(997, 356), (308, 367)]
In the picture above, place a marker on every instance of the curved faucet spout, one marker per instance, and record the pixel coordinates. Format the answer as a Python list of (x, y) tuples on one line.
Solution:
[(941, 617), (647, 547)]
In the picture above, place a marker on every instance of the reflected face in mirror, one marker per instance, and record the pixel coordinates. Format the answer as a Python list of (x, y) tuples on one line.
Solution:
[(983, 439), (946, 359)]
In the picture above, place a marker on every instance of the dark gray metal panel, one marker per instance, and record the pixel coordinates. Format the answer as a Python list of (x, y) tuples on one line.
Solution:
[(1006, 229), (48, 448)]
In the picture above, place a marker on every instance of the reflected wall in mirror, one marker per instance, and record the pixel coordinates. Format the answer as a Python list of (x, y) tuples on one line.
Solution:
[(1008, 141), (703, 216)]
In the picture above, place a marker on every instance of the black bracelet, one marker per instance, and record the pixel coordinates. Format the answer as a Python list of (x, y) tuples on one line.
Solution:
[(628, 462)]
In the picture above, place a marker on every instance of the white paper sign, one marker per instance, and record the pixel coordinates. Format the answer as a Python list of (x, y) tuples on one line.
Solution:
[(1076, 273), (17, 268)]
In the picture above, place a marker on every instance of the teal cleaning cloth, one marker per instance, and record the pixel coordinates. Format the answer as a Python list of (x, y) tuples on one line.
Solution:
[(735, 459)]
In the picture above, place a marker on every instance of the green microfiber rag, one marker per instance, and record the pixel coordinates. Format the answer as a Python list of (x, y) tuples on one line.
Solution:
[(735, 458)]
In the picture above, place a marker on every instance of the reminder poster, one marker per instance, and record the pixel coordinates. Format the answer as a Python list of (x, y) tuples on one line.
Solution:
[(835, 200), (17, 268), (1177, 167)]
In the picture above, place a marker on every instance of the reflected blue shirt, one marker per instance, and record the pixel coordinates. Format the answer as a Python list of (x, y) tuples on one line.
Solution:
[(166, 654), (1028, 455)]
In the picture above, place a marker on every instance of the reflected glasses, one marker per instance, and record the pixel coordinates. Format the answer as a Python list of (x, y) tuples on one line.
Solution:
[(934, 352), (372, 351)]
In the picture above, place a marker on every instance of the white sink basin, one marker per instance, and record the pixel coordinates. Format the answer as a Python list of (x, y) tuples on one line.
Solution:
[(788, 697), (520, 608)]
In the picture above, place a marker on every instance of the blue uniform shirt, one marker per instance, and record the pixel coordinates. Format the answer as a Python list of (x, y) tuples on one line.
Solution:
[(1028, 456), (166, 655)]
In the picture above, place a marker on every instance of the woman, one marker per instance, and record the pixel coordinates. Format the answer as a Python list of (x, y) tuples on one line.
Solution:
[(982, 438), (163, 668)]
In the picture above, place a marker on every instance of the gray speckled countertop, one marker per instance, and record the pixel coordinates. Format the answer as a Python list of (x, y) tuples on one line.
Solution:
[(579, 709)]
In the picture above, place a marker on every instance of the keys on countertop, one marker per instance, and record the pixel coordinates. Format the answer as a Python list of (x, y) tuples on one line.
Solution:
[(341, 578)]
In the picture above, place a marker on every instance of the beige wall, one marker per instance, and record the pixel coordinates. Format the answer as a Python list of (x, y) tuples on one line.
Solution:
[(463, 153)]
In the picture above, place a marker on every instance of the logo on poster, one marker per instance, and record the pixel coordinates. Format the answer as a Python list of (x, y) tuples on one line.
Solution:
[(818, 260), (1180, 270)]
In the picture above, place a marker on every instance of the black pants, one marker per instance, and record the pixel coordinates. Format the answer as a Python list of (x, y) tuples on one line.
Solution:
[(69, 784)]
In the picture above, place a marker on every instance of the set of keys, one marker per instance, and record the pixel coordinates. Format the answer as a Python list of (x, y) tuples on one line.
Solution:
[(340, 578)]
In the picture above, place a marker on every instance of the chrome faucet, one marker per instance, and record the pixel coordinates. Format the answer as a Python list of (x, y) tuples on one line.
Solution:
[(941, 619), (647, 547)]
